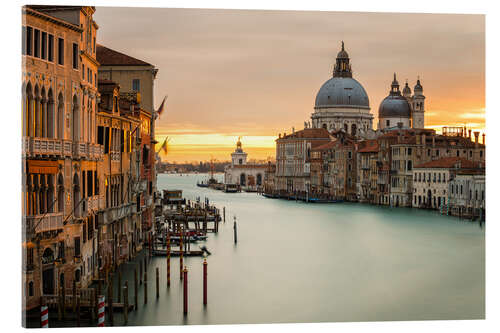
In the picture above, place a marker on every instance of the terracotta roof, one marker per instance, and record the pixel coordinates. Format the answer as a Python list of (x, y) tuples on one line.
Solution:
[(309, 133), (369, 146), (450, 162), (325, 146), (109, 57)]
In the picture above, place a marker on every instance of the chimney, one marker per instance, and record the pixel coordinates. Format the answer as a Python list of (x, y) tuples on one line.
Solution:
[(476, 139), (470, 136), (293, 130), (279, 135), (484, 142)]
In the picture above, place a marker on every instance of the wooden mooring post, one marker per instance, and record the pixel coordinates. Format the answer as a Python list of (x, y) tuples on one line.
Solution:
[(136, 287), (110, 299), (78, 311), (181, 256), (146, 287), (235, 231), (185, 303), (140, 271), (74, 295), (205, 281), (168, 260), (224, 210), (63, 302), (59, 305), (157, 283), (125, 301), (119, 286)]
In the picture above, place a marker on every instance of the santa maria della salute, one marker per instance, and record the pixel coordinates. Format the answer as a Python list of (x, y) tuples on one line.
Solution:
[(343, 104)]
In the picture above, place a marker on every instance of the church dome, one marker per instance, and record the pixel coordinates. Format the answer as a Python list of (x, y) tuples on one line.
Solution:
[(342, 92), (394, 105)]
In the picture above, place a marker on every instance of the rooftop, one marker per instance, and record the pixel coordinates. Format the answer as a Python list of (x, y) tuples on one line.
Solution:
[(450, 162), (109, 57)]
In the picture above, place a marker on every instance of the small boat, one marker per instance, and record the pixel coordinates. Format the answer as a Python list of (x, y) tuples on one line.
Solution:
[(230, 188)]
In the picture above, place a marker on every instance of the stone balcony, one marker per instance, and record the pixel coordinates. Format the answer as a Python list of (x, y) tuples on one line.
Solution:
[(113, 214), (36, 224), (46, 147)]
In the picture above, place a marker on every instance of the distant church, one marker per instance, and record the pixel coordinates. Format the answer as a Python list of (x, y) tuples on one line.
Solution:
[(248, 176), (342, 104)]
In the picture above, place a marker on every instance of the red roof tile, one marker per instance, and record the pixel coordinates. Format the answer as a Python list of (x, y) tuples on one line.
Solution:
[(449, 162), (109, 57)]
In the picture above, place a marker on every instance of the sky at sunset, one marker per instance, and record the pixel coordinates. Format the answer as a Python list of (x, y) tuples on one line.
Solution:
[(255, 74)]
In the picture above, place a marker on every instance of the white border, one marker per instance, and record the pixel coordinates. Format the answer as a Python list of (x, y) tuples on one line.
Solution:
[(10, 302)]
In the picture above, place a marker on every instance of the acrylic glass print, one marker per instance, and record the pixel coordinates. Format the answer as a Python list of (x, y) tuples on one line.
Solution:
[(197, 166)]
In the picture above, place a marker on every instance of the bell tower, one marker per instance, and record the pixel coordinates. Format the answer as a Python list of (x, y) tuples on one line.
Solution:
[(418, 106), (238, 157)]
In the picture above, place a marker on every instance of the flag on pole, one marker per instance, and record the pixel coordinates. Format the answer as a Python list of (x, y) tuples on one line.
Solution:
[(164, 146), (162, 106)]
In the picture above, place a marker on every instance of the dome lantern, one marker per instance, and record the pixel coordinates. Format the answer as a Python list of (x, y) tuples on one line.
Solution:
[(342, 67)]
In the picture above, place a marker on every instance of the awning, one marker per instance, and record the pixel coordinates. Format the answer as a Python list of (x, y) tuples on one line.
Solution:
[(42, 167)]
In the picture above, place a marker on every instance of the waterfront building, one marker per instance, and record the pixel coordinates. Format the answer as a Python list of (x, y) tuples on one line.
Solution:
[(136, 79), (117, 124), (431, 181), (249, 176), (402, 111), (60, 152), (320, 180), (467, 196), (293, 153), (342, 102), (342, 167), (367, 157), (269, 177)]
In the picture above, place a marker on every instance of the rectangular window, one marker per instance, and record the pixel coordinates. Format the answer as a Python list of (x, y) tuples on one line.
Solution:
[(77, 246), (51, 48), (37, 43), (83, 72), (90, 190), (84, 232), (44, 45), (60, 51), (106, 140), (29, 41), (75, 56), (136, 83), (61, 249), (100, 135), (23, 41)]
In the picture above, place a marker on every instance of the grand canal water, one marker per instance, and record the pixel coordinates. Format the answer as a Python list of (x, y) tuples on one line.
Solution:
[(298, 262)]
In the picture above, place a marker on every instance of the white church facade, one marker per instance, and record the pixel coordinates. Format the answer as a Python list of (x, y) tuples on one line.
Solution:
[(250, 177)]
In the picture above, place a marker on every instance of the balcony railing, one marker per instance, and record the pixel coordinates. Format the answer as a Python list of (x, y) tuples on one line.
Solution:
[(40, 223), (34, 146), (116, 213)]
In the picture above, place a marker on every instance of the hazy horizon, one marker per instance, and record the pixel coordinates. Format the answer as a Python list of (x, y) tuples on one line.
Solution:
[(255, 73)]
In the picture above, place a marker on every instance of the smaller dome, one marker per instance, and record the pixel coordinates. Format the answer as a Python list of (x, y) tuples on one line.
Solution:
[(406, 89), (418, 86), (394, 106)]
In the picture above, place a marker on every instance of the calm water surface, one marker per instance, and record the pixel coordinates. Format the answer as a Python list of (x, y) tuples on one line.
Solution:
[(298, 262)]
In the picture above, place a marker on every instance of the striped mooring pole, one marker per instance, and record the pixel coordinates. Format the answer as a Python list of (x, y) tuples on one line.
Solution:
[(168, 260), (44, 313), (100, 312)]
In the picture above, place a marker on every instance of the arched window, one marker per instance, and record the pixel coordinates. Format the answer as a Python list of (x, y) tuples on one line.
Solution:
[(346, 128), (28, 116), (30, 289), (60, 194), (76, 120), (242, 179), (43, 114), (325, 126), (353, 129), (36, 121), (60, 117), (259, 179), (76, 195), (50, 114)]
